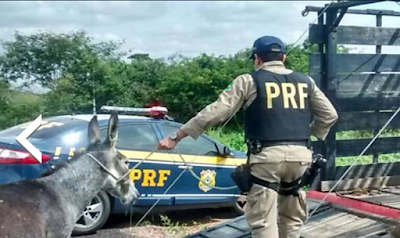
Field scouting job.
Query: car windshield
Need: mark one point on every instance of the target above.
(50, 127)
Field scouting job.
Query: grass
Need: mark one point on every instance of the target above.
(175, 228)
(232, 139)
(367, 134)
(235, 140)
(21, 97)
(17, 107)
(367, 159)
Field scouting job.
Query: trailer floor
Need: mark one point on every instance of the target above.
(348, 215)
(338, 222)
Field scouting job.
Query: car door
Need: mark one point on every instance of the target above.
(204, 162)
(137, 141)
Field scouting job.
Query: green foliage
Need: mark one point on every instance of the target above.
(46, 57)
(74, 69)
(190, 84)
(141, 80)
(230, 138)
(366, 159)
(4, 95)
(297, 58)
(67, 64)
(175, 228)
(14, 106)
(235, 140)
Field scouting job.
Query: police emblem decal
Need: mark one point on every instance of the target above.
(207, 180)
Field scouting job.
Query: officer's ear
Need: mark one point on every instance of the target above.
(283, 58)
(257, 60)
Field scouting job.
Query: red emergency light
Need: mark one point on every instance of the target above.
(154, 112)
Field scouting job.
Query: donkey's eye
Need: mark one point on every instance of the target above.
(121, 156)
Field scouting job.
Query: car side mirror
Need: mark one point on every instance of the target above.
(227, 152)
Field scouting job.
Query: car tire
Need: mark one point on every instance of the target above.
(94, 216)
(240, 205)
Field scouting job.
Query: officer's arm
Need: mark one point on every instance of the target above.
(227, 104)
(325, 115)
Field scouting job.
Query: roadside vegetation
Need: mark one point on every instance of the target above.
(55, 74)
(235, 140)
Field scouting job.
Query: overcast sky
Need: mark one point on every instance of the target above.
(164, 28)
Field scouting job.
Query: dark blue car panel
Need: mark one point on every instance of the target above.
(62, 136)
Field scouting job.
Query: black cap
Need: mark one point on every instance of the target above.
(267, 44)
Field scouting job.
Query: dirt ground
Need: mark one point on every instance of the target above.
(167, 225)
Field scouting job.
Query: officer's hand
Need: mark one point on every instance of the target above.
(167, 144)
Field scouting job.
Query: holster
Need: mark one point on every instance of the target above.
(254, 146)
(244, 180)
(306, 180)
(241, 176)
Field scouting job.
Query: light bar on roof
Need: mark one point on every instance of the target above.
(152, 111)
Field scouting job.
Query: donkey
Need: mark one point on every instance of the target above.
(50, 205)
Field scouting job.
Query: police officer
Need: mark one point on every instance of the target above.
(278, 104)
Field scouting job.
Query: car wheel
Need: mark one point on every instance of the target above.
(240, 205)
(94, 216)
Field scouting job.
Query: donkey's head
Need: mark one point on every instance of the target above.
(117, 183)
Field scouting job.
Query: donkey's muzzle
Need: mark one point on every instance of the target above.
(132, 196)
(134, 191)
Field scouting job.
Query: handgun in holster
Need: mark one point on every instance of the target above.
(241, 174)
(312, 172)
(306, 180)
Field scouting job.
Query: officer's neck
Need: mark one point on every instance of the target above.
(271, 63)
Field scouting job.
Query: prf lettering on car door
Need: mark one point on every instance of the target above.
(289, 93)
(150, 177)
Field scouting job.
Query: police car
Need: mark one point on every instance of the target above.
(207, 163)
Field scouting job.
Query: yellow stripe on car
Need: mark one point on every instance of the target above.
(57, 153)
(169, 157)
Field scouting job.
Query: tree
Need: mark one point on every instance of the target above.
(14, 106)
(71, 65)
(189, 84)
(46, 57)
(4, 96)
(75, 69)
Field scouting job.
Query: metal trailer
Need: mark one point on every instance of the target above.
(364, 88)
(347, 215)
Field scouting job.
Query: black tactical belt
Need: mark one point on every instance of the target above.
(283, 188)
(274, 186)
(256, 146)
(275, 143)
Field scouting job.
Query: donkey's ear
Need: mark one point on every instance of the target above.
(112, 130)
(93, 131)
